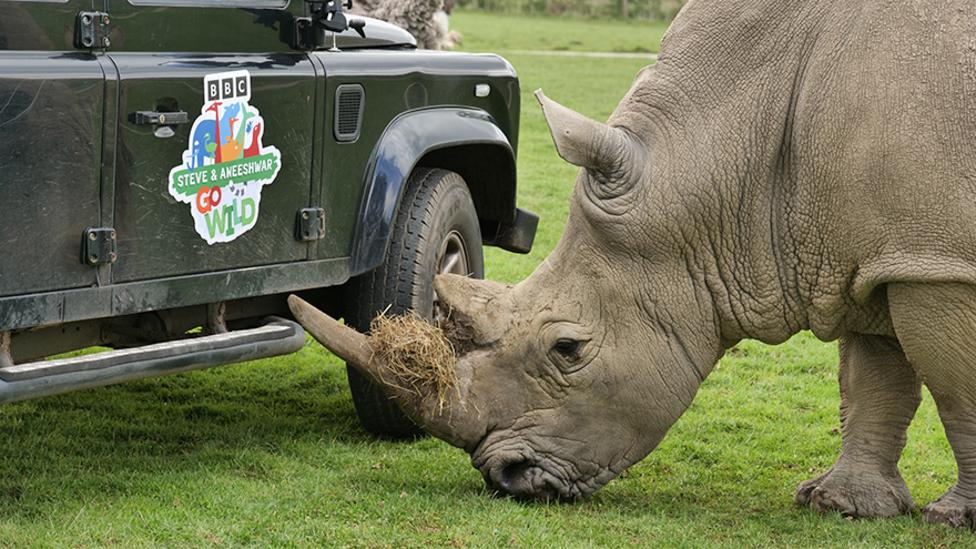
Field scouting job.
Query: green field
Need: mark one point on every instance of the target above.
(269, 454)
(489, 32)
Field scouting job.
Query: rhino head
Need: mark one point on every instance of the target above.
(574, 374)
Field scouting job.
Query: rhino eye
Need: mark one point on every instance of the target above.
(568, 348)
(570, 355)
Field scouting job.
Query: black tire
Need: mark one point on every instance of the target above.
(436, 216)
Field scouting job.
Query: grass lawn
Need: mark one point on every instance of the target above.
(269, 454)
(502, 33)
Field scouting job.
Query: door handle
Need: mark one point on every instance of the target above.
(160, 118)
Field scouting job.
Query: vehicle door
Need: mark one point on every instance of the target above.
(215, 142)
(52, 99)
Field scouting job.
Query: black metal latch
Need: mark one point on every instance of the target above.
(99, 246)
(92, 30)
(310, 225)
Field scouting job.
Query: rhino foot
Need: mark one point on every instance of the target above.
(857, 493)
(953, 510)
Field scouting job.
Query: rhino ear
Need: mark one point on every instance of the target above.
(602, 149)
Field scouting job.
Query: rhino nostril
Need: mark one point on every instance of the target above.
(513, 477)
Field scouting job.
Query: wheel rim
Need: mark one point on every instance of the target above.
(453, 258)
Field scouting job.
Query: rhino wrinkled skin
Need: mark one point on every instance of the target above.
(786, 165)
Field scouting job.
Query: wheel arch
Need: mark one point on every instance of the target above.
(460, 139)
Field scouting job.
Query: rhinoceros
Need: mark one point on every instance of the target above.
(786, 165)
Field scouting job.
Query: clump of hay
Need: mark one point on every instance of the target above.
(417, 354)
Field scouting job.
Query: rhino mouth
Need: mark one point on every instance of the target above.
(516, 470)
(525, 480)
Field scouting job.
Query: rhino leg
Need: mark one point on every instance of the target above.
(880, 393)
(936, 325)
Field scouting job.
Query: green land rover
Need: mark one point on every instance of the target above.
(173, 169)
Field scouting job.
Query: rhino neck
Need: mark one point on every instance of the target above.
(720, 106)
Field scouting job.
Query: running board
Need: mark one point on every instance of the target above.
(50, 377)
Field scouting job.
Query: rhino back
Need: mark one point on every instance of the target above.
(828, 144)
(884, 149)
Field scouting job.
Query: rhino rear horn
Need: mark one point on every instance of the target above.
(483, 307)
(603, 150)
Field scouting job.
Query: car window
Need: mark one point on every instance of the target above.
(210, 3)
(48, 1)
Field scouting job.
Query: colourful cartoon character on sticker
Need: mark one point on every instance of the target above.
(226, 164)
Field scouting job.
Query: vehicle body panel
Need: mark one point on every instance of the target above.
(404, 92)
(50, 151)
(156, 234)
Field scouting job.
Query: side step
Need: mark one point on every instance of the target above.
(50, 377)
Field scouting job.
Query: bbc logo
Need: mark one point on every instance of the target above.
(227, 86)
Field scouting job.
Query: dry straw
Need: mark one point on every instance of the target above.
(416, 353)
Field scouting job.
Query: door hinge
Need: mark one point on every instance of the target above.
(92, 30)
(310, 225)
(98, 246)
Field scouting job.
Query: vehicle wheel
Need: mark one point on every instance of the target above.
(436, 231)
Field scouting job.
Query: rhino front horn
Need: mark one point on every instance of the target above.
(607, 152)
(348, 344)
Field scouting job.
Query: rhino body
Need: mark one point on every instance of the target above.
(786, 165)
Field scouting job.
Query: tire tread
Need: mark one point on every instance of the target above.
(396, 285)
